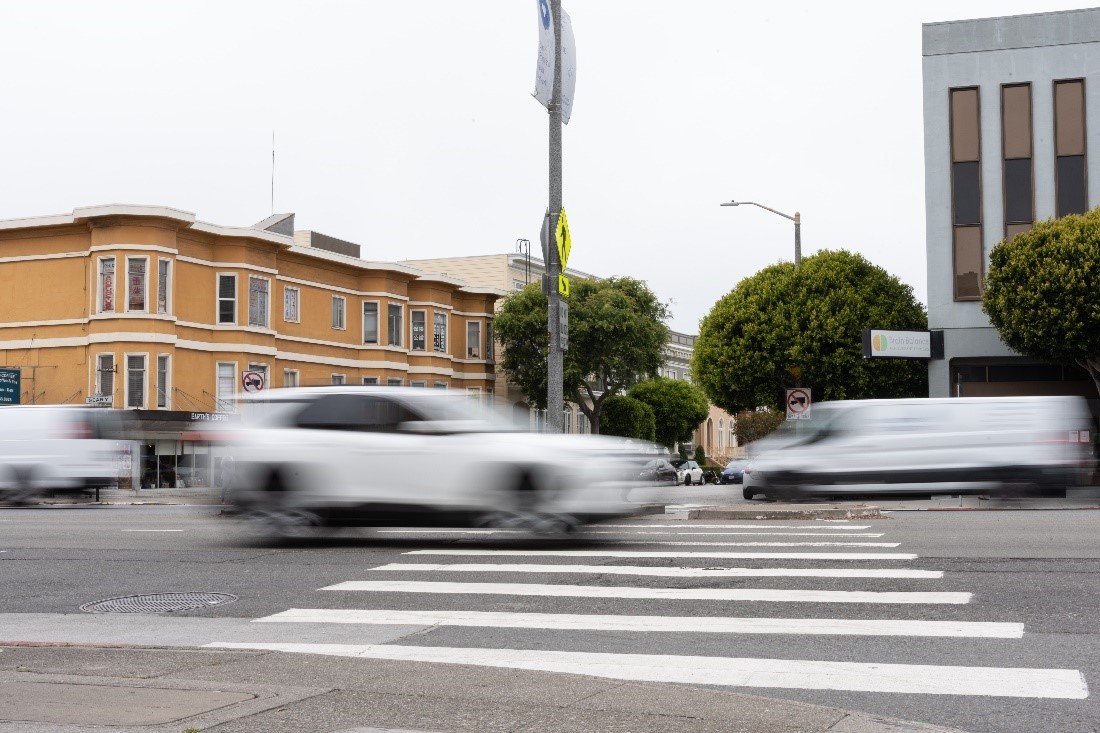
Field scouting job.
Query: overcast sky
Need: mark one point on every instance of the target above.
(409, 127)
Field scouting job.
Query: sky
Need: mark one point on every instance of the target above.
(410, 127)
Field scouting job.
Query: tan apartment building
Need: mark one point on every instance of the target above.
(147, 309)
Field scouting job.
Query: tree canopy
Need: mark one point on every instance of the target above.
(616, 333)
(788, 326)
(678, 407)
(627, 417)
(1042, 291)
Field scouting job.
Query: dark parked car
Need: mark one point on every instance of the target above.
(734, 472)
(659, 471)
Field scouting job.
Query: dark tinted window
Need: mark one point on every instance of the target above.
(968, 203)
(364, 413)
(1071, 185)
(1018, 190)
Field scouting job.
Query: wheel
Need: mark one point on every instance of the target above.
(747, 493)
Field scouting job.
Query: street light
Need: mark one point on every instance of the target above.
(797, 219)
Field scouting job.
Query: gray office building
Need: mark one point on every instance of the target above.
(1011, 113)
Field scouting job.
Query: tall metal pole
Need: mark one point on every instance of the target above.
(555, 400)
(797, 239)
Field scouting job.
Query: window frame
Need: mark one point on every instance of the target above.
(291, 378)
(266, 314)
(439, 336)
(106, 286)
(343, 311)
(413, 313)
(338, 379)
(144, 259)
(372, 317)
(221, 404)
(955, 159)
(297, 304)
(370, 381)
(218, 299)
(164, 285)
(127, 397)
(99, 371)
(475, 351)
(394, 335)
(164, 382)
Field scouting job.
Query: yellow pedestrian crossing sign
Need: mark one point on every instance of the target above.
(563, 286)
(565, 242)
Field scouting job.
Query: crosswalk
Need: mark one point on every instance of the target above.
(645, 586)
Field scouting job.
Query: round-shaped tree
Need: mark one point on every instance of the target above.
(1042, 291)
(788, 326)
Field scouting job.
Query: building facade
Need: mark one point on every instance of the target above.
(146, 309)
(1011, 135)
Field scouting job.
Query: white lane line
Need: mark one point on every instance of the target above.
(688, 624)
(675, 594)
(729, 672)
(680, 554)
(757, 544)
(152, 530)
(663, 572)
(737, 534)
(763, 525)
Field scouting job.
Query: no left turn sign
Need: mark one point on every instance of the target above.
(798, 403)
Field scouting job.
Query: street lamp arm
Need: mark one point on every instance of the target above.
(766, 208)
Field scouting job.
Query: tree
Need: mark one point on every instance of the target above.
(1041, 292)
(616, 333)
(750, 425)
(788, 326)
(627, 417)
(678, 407)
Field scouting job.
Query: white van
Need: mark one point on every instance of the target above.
(47, 449)
(951, 445)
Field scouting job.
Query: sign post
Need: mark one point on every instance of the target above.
(798, 403)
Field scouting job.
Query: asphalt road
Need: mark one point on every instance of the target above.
(983, 573)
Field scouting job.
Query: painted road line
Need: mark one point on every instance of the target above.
(762, 525)
(672, 594)
(684, 554)
(790, 674)
(664, 572)
(152, 530)
(636, 533)
(685, 543)
(686, 624)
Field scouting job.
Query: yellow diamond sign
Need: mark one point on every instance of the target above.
(565, 242)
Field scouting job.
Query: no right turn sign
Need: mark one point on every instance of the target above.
(798, 403)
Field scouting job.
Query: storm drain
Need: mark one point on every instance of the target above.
(158, 603)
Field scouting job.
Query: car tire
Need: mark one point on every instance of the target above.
(747, 493)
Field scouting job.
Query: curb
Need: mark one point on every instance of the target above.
(870, 512)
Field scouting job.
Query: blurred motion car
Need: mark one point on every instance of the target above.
(734, 471)
(687, 472)
(658, 470)
(952, 445)
(56, 449)
(392, 456)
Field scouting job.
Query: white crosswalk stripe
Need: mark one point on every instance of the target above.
(446, 610)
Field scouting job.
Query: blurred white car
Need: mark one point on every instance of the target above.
(390, 456)
(688, 472)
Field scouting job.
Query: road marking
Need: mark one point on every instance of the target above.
(674, 594)
(727, 671)
(663, 572)
(737, 534)
(688, 624)
(152, 530)
(681, 554)
(678, 543)
(766, 525)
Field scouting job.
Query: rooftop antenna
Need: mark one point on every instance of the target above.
(272, 172)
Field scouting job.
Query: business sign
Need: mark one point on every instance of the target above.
(798, 403)
(99, 400)
(879, 344)
(9, 386)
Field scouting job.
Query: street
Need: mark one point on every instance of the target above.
(979, 621)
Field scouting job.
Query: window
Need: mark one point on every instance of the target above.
(257, 301)
(440, 385)
(439, 332)
(1016, 148)
(517, 285)
(162, 381)
(105, 375)
(393, 324)
(106, 284)
(260, 369)
(370, 380)
(394, 382)
(135, 380)
(164, 280)
(338, 379)
(1069, 147)
(338, 304)
(370, 323)
(473, 339)
(418, 383)
(489, 351)
(135, 283)
(566, 420)
(226, 387)
(966, 195)
(418, 320)
(721, 434)
(290, 305)
(290, 377)
(227, 298)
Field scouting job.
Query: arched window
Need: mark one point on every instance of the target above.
(710, 435)
(721, 433)
(566, 420)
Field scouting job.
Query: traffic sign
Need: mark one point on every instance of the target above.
(563, 286)
(252, 381)
(563, 324)
(798, 403)
(564, 240)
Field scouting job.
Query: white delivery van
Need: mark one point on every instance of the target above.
(951, 445)
(46, 449)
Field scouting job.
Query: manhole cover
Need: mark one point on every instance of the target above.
(158, 603)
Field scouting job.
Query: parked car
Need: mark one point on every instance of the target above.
(688, 472)
(734, 471)
(658, 470)
(953, 445)
(389, 456)
(53, 449)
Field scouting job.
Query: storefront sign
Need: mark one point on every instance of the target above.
(9, 386)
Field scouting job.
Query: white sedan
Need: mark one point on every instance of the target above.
(389, 456)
